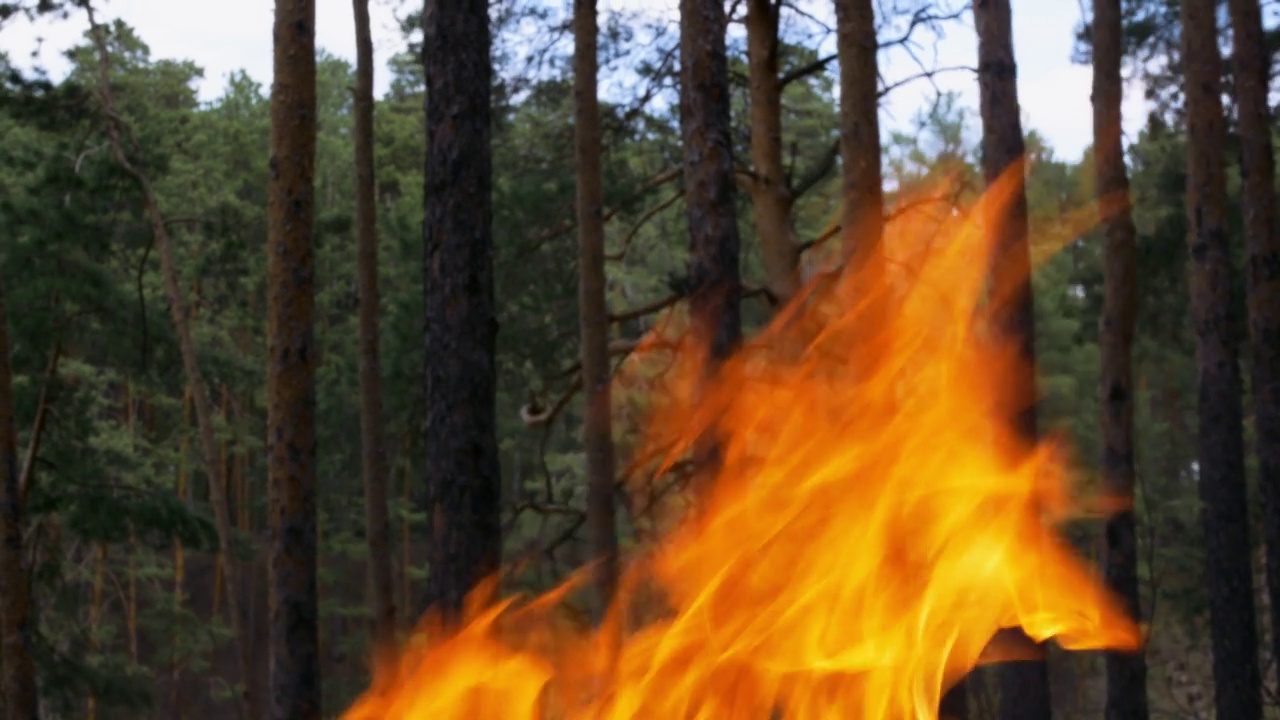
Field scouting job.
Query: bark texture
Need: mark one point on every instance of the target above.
(1024, 686)
(1262, 250)
(593, 313)
(463, 484)
(1229, 577)
(373, 450)
(771, 195)
(18, 691)
(714, 274)
(1126, 672)
(862, 221)
(294, 667)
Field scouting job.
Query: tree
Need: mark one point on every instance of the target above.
(17, 620)
(294, 667)
(373, 451)
(1024, 685)
(714, 283)
(1252, 67)
(863, 189)
(593, 313)
(1126, 672)
(461, 324)
(1223, 494)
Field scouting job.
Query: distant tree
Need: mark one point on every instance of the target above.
(1252, 74)
(373, 450)
(18, 693)
(294, 662)
(1126, 672)
(593, 313)
(1223, 494)
(1024, 685)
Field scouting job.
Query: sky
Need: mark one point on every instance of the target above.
(227, 35)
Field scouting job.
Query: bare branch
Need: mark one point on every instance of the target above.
(651, 308)
(818, 172)
(644, 219)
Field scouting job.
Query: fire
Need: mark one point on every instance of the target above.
(871, 524)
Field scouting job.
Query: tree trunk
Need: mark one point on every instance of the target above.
(862, 218)
(771, 196)
(1126, 672)
(190, 363)
(17, 624)
(460, 383)
(593, 311)
(1229, 576)
(1024, 686)
(294, 667)
(714, 282)
(373, 454)
(1262, 248)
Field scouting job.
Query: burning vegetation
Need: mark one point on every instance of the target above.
(873, 520)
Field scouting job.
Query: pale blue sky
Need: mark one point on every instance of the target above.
(227, 35)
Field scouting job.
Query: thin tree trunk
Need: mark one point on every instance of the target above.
(373, 450)
(95, 620)
(294, 645)
(862, 219)
(1262, 248)
(593, 311)
(1126, 672)
(179, 556)
(17, 626)
(1229, 574)
(460, 382)
(186, 346)
(771, 195)
(1024, 686)
(714, 280)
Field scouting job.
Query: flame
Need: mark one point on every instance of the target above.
(872, 522)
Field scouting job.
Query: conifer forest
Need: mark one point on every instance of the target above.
(621, 365)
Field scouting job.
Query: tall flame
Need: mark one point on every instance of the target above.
(872, 522)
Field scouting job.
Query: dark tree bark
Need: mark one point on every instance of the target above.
(862, 221)
(1229, 576)
(1262, 248)
(294, 667)
(17, 623)
(714, 280)
(1024, 685)
(1126, 672)
(373, 450)
(771, 195)
(463, 485)
(593, 313)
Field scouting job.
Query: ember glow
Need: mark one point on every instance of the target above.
(873, 522)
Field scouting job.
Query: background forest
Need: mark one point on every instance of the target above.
(120, 497)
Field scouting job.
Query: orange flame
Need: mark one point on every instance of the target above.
(872, 522)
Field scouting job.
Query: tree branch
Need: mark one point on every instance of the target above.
(820, 170)
(645, 218)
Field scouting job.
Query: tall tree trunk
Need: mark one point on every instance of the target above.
(593, 311)
(247, 705)
(862, 219)
(1262, 248)
(460, 383)
(1229, 575)
(771, 195)
(17, 624)
(294, 658)
(373, 450)
(1126, 672)
(714, 281)
(1024, 686)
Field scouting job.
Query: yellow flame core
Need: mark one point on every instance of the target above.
(872, 523)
